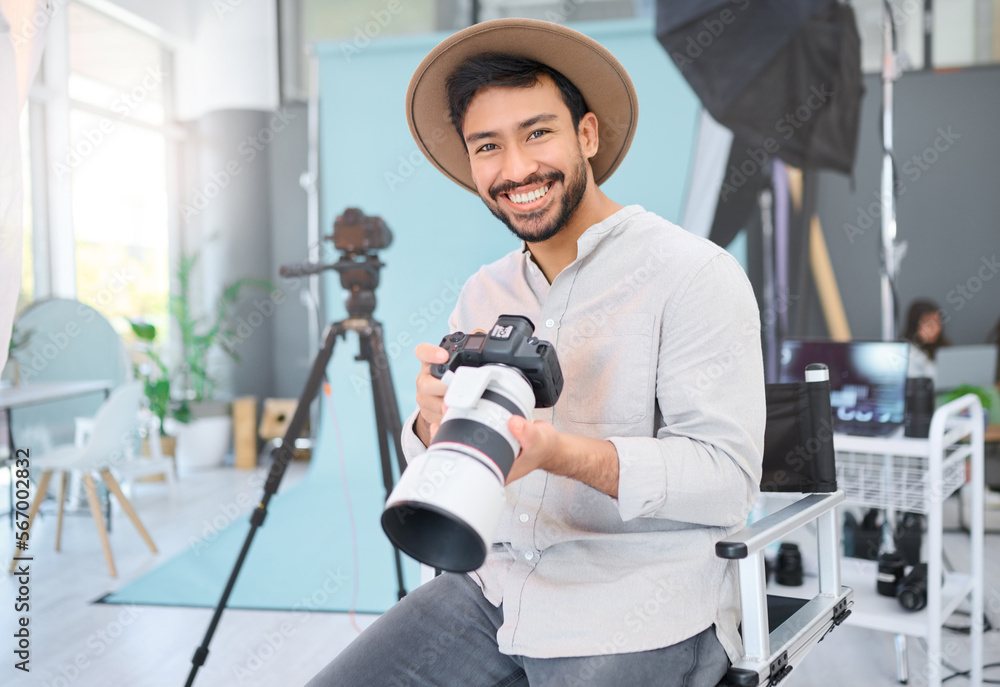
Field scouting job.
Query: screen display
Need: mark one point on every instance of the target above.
(867, 378)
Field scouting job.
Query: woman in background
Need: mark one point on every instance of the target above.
(925, 333)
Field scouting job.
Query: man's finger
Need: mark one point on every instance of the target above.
(430, 354)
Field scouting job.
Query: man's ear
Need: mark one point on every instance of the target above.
(587, 132)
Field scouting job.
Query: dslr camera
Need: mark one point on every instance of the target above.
(447, 503)
(910, 589)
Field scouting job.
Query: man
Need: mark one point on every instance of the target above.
(602, 571)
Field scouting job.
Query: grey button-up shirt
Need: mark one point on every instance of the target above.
(658, 337)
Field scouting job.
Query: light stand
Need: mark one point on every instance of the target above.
(359, 274)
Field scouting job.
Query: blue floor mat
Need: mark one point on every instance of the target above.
(301, 558)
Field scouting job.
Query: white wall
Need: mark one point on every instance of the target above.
(232, 62)
(226, 51)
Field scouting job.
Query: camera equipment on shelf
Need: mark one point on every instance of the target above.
(910, 589)
(447, 504)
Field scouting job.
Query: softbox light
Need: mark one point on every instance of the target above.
(784, 75)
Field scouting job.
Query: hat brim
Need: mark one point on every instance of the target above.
(600, 77)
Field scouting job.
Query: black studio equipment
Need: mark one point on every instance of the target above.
(919, 407)
(358, 237)
(863, 540)
(789, 566)
(891, 571)
(909, 588)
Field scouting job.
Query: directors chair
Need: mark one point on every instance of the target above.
(798, 457)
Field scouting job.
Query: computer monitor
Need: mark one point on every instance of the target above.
(867, 381)
(957, 365)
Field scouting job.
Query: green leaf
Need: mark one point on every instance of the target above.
(962, 390)
(143, 330)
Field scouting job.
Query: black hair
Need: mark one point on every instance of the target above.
(918, 309)
(495, 69)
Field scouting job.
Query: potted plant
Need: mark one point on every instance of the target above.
(156, 381)
(984, 397)
(184, 397)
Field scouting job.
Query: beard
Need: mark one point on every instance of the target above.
(570, 201)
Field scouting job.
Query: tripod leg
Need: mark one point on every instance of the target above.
(282, 456)
(392, 407)
(386, 420)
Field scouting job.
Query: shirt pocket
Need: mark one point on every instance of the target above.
(609, 375)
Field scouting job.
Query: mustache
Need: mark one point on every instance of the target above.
(508, 186)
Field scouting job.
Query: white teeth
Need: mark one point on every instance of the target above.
(528, 197)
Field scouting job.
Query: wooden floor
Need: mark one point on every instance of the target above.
(76, 642)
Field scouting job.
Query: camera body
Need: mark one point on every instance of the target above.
(509, 342)
(910, 589)
(356, 232)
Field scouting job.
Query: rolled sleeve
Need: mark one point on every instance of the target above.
(411, 444)
(704, 464)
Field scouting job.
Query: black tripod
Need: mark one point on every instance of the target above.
(359, 273)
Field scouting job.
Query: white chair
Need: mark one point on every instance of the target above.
(799, 458)
(105, 448)
(135, 467)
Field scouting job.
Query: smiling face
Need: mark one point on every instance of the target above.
(528, 161)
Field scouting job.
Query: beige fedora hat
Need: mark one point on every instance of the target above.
(600, 77)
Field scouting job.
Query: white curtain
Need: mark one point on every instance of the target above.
(23, 26)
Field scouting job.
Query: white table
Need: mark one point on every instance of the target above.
(33, 394)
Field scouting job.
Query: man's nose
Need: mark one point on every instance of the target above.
(518, 165)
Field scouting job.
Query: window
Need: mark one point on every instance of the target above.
(27, 260)
(119, 123)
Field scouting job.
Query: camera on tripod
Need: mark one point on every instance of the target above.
(448, 502)
(356, 232)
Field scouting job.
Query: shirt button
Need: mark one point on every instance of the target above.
(528, 555)
(550, 323)
(524, 517)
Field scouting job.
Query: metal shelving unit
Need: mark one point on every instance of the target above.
(917, 475)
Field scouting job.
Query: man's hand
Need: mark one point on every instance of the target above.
(591, 461)
(539, 447)
(430, 392)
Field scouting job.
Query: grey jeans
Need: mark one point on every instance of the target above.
(443, 634)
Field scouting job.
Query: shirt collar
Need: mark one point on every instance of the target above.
(593, 235)
(596, 232)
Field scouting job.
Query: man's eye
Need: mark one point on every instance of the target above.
(537, 132)
(486, 147)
